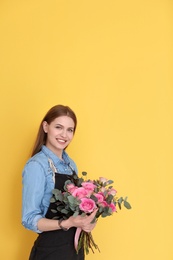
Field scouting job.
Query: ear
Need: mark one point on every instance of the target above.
(45, 126)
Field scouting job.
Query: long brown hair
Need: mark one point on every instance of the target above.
(54, 112)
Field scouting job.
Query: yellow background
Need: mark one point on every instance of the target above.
(111, 61)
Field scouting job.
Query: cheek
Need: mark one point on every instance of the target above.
(51, 133)
(70, 136)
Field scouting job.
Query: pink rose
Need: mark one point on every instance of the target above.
(103, 204)
(99, 197)
(79, 193)
(103, 180)
(89, 186)
(112, 206)
(87, 205)
(103, 189)
(112, 192)
(71, 187)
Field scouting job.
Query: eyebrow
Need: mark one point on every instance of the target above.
(71, 127)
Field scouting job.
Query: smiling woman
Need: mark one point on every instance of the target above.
(55, 113)
(49, 168)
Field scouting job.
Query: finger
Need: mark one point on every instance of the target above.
(94, 212)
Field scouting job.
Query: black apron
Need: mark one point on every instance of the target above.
(58, 244)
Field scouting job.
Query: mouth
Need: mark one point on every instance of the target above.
(61, 141)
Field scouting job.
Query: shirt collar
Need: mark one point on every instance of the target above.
(54, 157)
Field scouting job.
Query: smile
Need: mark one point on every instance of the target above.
(61, 141)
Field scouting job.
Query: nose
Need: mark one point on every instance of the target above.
(64, 133)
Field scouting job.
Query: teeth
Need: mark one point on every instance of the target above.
(60, 140)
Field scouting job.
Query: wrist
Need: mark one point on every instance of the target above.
(63, 224)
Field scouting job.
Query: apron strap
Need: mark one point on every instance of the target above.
(53, 168)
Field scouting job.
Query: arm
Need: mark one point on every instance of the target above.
(34, 181)
(33, 215)
(83, 222)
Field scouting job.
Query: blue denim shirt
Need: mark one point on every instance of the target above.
(38, 183)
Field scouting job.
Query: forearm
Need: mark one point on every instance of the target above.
(45, 224)
(84, 223)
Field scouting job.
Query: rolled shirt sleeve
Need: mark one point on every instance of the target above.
(33, 180)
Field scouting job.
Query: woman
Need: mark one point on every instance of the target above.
(49, 168)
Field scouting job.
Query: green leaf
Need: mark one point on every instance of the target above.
(100, 209)
(84, 173)
(71, 199)
(96, 189)
(109, 182)
(52, 200)
(59, 197)
(58, 194)
(64, 211)
(127, 205)
(105, 193)
(106, 210)
(110, 211)
(109, 198)
(72, 208)
(56, 191)
(119, 205)
(104, 215)
(93, 198)
(66, 183)
(65, 200)
(79, 182)
(94, 220)
(59, 208)
(54, 211)
(75, 177)
(76, 214)
(55, 217)
(120, 200)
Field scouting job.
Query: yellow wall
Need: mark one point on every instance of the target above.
(111, 61)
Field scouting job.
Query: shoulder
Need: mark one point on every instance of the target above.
(37, 163)
(39, 158)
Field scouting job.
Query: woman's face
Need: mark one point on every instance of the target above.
(60, 132)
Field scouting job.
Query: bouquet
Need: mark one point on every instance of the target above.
(81, 197)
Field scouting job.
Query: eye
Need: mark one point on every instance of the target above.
(71, 130)
(58, 126)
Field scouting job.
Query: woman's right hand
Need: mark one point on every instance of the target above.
(83, 222)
